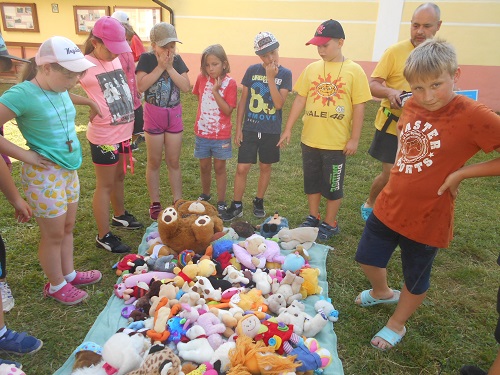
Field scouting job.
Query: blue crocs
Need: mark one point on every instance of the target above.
(19, 343)
(388, 335)
(366, 212)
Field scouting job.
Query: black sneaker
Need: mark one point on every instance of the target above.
(326, 231)
(112, 243)
(258, 207)
(310, 221)
(232, 212)
(204, 197)
(221, 208)
(126, 221)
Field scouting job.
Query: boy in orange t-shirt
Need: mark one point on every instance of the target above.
(439, 131)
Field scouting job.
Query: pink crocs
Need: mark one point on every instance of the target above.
(87, 278)
(68, 295)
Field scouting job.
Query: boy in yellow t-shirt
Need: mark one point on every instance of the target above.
(333, 92)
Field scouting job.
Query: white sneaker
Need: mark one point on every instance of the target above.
(7, 298)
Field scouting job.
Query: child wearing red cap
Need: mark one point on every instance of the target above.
(333, 92)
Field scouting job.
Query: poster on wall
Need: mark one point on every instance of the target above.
(19, 17)
(86, 17)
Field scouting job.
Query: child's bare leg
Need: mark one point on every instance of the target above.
(67, 242)
(378, 279)
(206, 175)
(118, 191)
(49, 248)
(173, 144)
(220, 179)
(240, 180)
(154, 147)
(313, 200)
(264, 178)
(105, 180)
(378, 184)
(407, 305)
(332, 209)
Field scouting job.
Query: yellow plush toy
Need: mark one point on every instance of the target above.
(310, 285)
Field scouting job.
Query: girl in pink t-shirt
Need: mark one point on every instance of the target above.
(217, 96)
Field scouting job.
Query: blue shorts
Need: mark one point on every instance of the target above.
(324, 172)
(217, 148)
(377, 244)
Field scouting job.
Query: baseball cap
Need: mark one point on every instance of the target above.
(326, 31)
(163, 33)
(64, 52)
(120, 16)
(112, 33)
(265, 42)
(6, 58)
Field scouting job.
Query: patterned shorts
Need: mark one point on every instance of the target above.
(48, 191)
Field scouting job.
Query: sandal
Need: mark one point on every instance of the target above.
(86, 278)
(367, 300)
(67, 295)
(366, 212)
(388, 335)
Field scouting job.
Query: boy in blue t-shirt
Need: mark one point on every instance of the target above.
(258, 122)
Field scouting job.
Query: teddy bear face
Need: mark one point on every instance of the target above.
(188, 225)
(255, 245)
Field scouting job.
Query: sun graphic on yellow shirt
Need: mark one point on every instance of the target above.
(326, 90)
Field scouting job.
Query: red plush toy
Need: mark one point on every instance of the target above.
(131, 263)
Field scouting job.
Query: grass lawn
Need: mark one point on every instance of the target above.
(453, 327)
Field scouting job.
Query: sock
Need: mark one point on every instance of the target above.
(238, 203)
(3, 331)
(70, 276)
(56, 288)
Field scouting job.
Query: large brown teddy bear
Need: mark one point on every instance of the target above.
(188, 225)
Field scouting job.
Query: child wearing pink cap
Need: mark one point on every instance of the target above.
(109, 134)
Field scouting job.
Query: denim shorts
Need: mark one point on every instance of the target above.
(324, 172)
(263, 144)
(377, 244)
(213, 148)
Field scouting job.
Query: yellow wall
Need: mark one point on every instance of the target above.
(473, 26)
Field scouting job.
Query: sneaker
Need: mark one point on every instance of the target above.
(126, 221)
(204, 197)
(67, 295)
(154, 210)
(19, 343)
(310, 221)
(17, 365)
(112, 243)
(221, 208)
(7, 298)
(258, 207)
(326, 231)
(87, 278)
(232, 212)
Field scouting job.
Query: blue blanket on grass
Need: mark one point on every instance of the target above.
(110, 319)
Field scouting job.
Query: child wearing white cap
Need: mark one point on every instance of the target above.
(265, 87)
(49, 173)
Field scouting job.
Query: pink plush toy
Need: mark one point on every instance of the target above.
(213, 329)
(133, 280)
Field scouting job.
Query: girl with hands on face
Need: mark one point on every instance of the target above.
(217, 97)
(162, 75)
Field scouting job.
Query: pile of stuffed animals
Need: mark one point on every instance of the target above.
(204, 302)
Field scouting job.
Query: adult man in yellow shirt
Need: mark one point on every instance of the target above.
(388, 83)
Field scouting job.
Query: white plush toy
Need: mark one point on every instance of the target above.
(291, 238)
(121, 354)
(303, 323)
(262, 281)
(197, 349)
